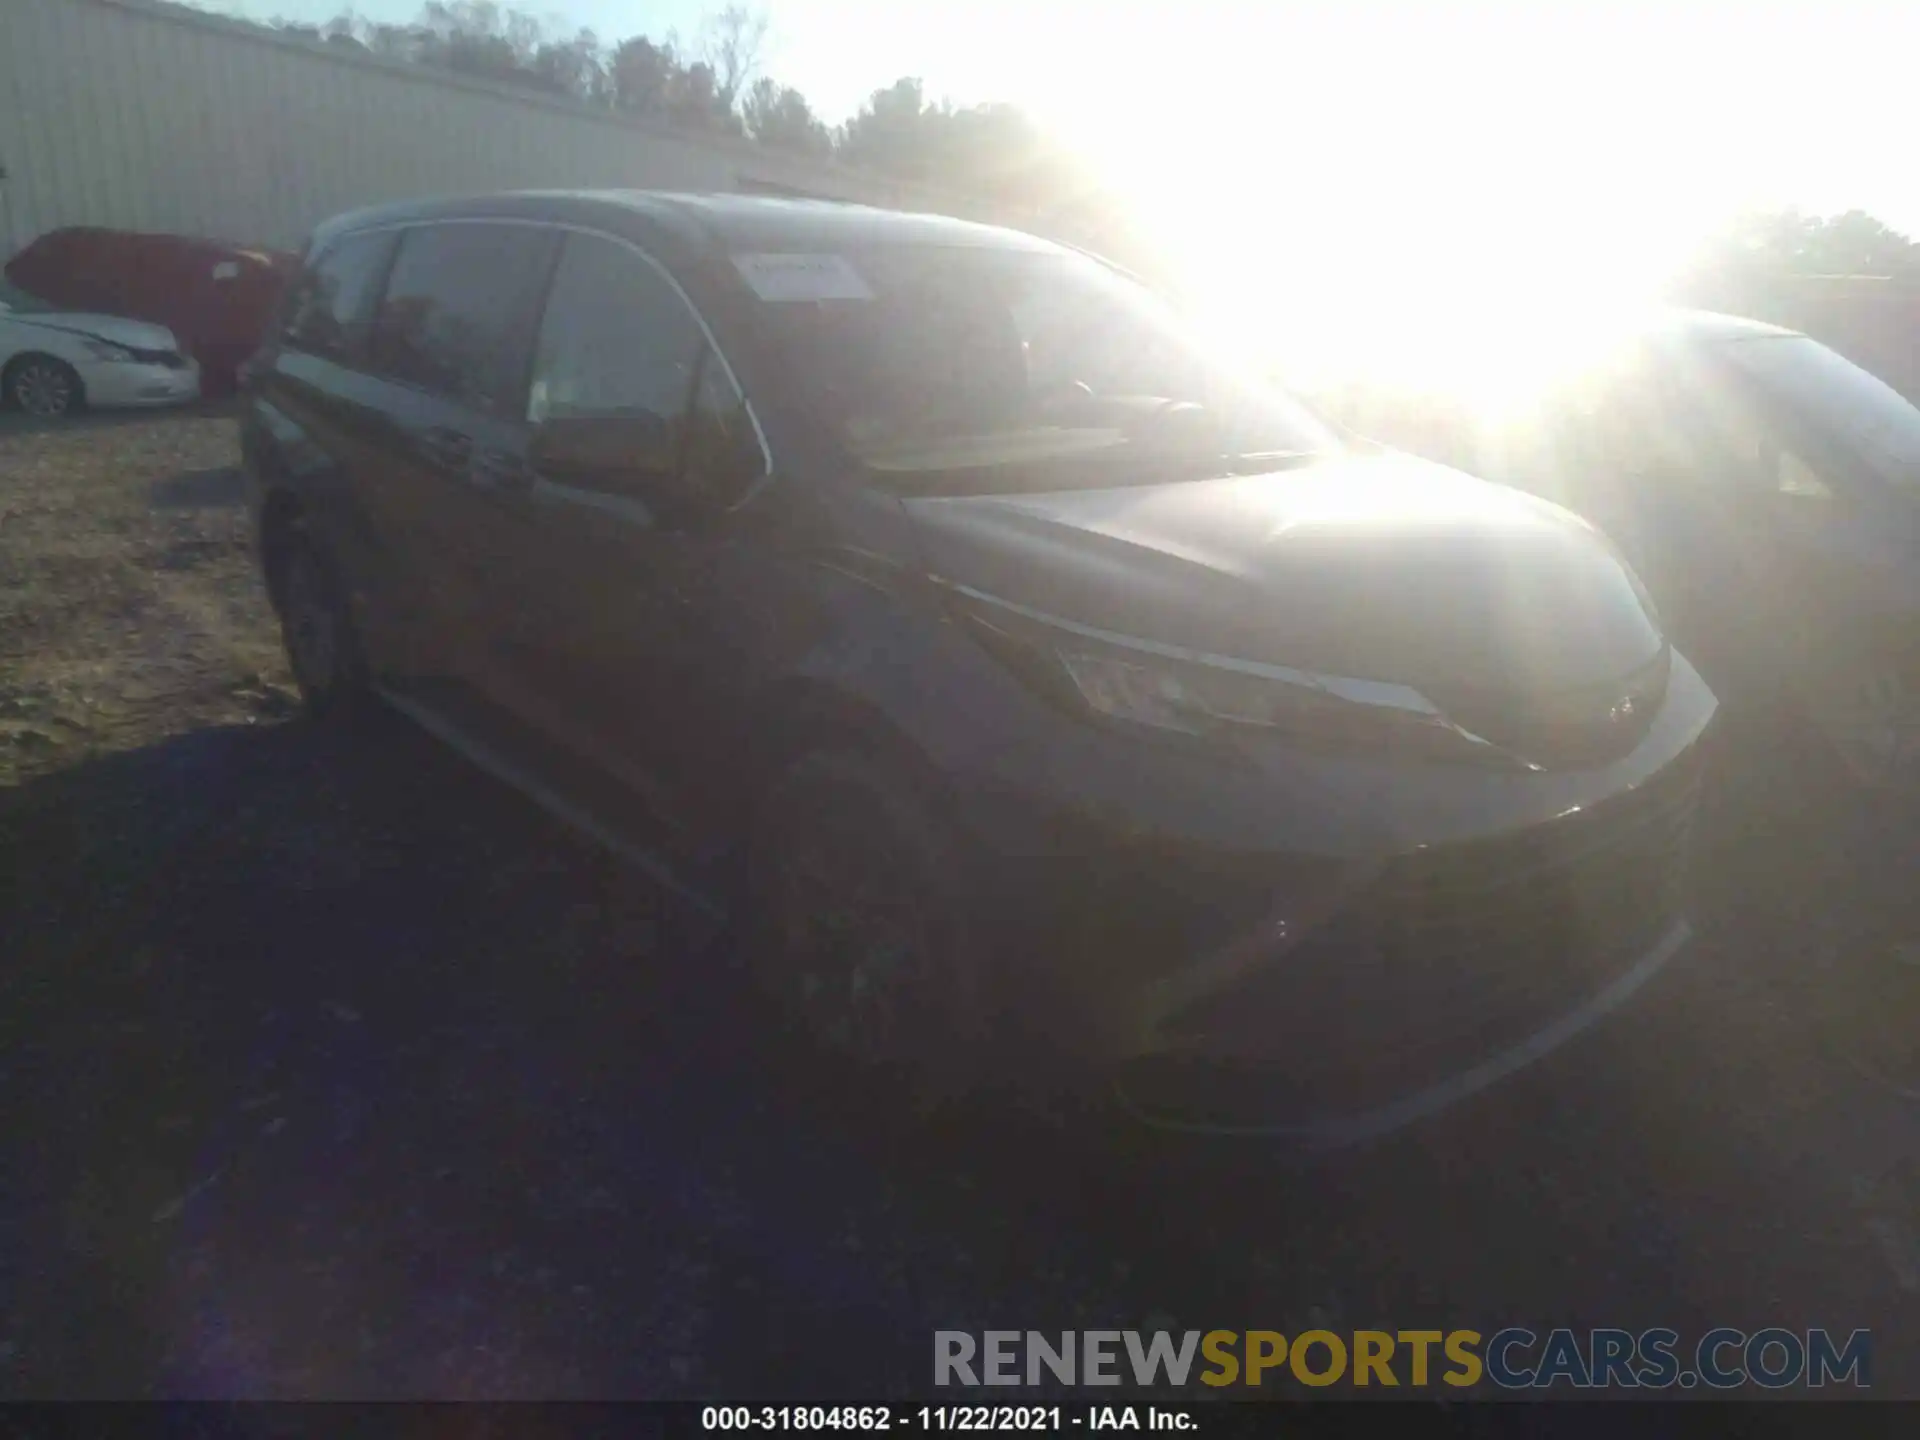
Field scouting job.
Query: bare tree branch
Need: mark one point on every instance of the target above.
(731, 42)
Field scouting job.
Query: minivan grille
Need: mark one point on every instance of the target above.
(1463, 948)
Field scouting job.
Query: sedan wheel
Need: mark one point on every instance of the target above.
(45, 388)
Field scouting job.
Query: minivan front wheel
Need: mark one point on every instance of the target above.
(858, 931)
(318, 631)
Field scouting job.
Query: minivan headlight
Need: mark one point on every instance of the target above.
(1127, 682)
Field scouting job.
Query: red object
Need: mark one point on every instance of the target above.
(215, 297)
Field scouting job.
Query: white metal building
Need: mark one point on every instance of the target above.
(139, 116)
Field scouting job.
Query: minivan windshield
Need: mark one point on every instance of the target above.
(943, 367)
(1833, 394)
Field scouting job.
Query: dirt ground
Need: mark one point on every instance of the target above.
(330, 1068)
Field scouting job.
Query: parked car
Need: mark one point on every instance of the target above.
(1766, 489)
(216, 297)
(1873, 320)
(1060, 693)
(53, 362)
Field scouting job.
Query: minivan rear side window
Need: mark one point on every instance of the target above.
(459, 311)
(331, 307)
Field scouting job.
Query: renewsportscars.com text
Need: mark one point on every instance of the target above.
(1513, 1358)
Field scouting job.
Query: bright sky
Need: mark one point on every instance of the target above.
(1366, 146)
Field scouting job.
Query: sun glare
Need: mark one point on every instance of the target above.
(1491, 292)
(1400, 304)
(1337, 208)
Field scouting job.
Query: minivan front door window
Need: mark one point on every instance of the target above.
(724, 457)
(617, 345)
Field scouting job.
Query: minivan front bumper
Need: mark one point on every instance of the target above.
(1420, 979)
(1326, 998)
(1168, 1099)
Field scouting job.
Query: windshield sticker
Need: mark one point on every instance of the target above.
(788, 278)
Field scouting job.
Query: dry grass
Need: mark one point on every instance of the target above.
(130, 603)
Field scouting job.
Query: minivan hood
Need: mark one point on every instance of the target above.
(140, 334)
(1379, 568)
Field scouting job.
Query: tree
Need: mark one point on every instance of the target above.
(1857, 244)
(642, 72)
(730, 44)
(1761, 256)
(1791, 242)
(693, 101)
(892, 131)
(1001, 152)
(995, 153)
(574, 67)
(476, 37)
(343, 32)
(779, 117)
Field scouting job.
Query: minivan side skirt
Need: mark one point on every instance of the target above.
(574, 816)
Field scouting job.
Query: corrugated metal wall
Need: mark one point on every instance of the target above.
(119, 114)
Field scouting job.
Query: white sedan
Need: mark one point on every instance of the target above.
(53, 362)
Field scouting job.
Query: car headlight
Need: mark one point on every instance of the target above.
(107, 350)
(1157, 687)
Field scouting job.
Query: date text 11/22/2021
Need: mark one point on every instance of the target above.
(934, 1418)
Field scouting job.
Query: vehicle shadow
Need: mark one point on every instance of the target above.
(334, 1069)
(218, 487)
(297, 1019)
(338, 1070)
